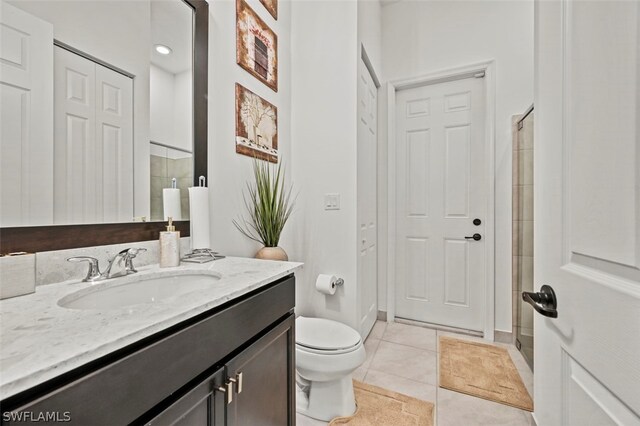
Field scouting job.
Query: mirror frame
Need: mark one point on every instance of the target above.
(34, 239)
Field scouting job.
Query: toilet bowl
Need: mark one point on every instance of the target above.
(327, 352)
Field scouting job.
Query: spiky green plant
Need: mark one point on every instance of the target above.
(268, 203)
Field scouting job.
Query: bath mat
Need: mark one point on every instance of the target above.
(382, 407)
(482, 370)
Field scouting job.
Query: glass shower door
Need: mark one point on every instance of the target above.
(523, 234)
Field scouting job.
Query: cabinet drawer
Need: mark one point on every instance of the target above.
(129, 386)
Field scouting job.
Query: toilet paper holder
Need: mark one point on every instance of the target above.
(339, 282)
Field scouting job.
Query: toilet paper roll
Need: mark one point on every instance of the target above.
(171, 204)
(199, 217)
(326, 284)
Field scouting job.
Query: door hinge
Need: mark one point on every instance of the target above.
(479, 74)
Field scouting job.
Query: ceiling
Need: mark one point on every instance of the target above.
(171, 25)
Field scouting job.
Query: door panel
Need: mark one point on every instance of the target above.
(74, 138)
(416, 173)
(114, 136)
(367, 200)
(441, 188)
(417, 250)
(587, 209)
(456, 277)
(265, 380)
(456, 181)
(202, 406)
(26, 129)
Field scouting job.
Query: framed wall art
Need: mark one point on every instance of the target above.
(272, 7)
(256, 126)
(256, 45)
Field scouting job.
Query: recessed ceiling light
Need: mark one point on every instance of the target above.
(162, 49)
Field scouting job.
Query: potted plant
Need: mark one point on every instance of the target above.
(269, 205)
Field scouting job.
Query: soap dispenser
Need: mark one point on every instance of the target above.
(170, 246)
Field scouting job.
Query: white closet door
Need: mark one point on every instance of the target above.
(114, 138)
(26, 129)
(74, 113)
(93, 142)
(367, 200)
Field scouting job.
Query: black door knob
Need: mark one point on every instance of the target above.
(475, 237)
(477, 222)
(544, 301)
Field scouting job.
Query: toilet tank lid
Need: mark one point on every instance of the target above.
(324, 334)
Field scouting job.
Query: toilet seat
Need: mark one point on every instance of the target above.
(323, 336)
(327, 352)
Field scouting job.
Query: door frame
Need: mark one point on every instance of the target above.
(441, 76)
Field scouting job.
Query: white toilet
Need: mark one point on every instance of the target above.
(327, 352)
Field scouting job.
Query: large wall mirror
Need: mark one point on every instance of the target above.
(104, 114)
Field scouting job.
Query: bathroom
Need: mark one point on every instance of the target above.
(400, 254)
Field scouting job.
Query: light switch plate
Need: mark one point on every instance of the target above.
(332, 201)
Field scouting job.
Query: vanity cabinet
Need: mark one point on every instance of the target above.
(249, 390)
(233, 365)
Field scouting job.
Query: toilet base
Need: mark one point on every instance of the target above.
(327, 400)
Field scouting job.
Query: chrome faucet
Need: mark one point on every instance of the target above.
(124, 259)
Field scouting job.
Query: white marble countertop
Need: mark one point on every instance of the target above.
(40, 340)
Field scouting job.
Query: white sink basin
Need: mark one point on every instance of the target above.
(138, 290)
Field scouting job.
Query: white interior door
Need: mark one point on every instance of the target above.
(441, 188)
(93, 142)
(367, 199)
(26, 129)
(75, 157)
(114, 141)
(587, 209)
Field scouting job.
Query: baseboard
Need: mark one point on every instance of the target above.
(502, 336)
(382, 315)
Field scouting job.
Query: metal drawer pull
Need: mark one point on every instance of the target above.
(227, 389)
(238, 382)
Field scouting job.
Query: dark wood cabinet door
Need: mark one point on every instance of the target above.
(204, 405)
(264, 391)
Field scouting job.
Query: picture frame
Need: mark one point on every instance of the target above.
(256, 126)
(256, 46)
(272, 7)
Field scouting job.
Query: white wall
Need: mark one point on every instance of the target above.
(228, 171)
(100, 29)
(183, 110)
(419, 37)
(171, 113)
(370, 32)
(161, 95)
(324, 77)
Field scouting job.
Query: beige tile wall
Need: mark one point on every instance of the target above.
(162, 171)
(522, 249)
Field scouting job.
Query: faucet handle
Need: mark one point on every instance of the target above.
(94, 270)
(128, 262)
(131, 253)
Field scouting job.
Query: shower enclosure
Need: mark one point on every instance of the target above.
(523, 232)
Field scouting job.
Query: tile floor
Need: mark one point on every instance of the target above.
(404, 358)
